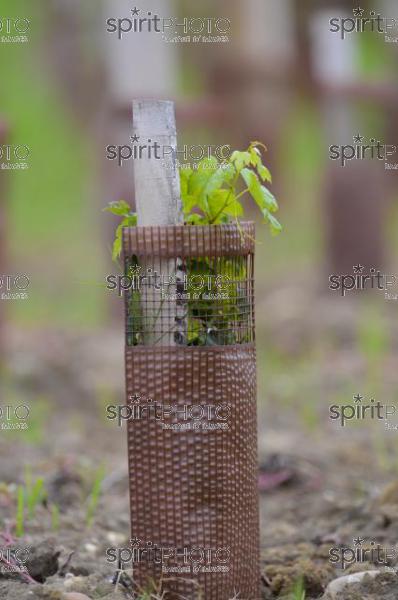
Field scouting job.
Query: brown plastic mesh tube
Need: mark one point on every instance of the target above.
(192, 438)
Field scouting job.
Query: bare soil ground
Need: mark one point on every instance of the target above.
(322, 485)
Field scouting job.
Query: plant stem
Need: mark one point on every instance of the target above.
(241, 194)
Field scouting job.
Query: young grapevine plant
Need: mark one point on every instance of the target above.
(214, 192)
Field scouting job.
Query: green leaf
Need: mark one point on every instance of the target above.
(241, 159)
(264, 173)
(255, 156)
(117, 244)
(188, 203)
(274, 224)
(130, 221)
(204, 183)
(199, 179)
(256, 161)
(234, 208)
(195, 219)
(201, 175)
(185, 175)
(222, 203)
(215, 181)
(269, 199)
(261, 195)
(229, 172)
(120, 208)
(250, 178)
(194, 330)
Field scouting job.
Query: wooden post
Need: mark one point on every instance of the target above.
(354, 195)
(157, 183)
(158, 202)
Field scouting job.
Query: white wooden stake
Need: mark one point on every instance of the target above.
(157, 183)
(158, 202)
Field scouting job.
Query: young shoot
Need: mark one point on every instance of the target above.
(214, 193)
(94, 496)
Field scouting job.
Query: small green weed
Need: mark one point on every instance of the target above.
(94, 495)
(298, 591)
(20, 518)
(29, 496)
(54, 517)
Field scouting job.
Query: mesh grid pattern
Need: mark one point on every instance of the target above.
(193, 491)
(189, 285)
